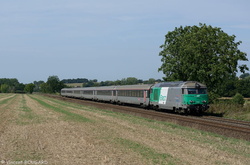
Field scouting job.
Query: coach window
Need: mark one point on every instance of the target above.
(140, 94)
(114, 93)
(88, 92)
(77, 92)
(133, 93)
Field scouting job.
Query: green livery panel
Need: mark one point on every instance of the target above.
(192, 99)
(155, 94)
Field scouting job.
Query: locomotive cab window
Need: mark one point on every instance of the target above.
(194, 91)
(191, 91)
(202, 91)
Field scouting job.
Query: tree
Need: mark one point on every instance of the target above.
(201, 53)
(129, 81)
(53, 84)
(20, 88)
(5, 88)
(151, 81)
(243, 87)
(244, 75)
(44, 88)
(29, 88)
(91, 83)
(12, 84)
(37, 85)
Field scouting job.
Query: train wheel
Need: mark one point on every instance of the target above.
(185, 111)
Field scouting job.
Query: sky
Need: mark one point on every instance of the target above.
(104, 39)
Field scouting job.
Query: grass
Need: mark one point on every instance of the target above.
(27, 116)
(22, 155)
(199, 136)
(67, 114)
(229, 110)
(5, 101)
(147, 152)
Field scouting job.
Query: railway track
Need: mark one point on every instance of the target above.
(225, 120)
(227, 127)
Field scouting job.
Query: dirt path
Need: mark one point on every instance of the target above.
(42, 130)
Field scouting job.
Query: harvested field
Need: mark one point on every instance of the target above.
(39, 130)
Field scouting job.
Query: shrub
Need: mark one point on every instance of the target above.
(238, 99)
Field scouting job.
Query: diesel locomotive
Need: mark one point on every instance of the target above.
(181, 96)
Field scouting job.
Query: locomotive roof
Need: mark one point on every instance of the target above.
(183, 84)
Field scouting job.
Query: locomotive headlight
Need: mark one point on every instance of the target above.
(204, 101)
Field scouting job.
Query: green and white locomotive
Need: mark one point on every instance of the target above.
(187, 97)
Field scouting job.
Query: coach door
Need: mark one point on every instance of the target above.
(145, 96)
(114, 94)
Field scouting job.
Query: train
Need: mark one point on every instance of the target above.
(179, 96)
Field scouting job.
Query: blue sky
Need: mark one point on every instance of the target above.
(103, 40)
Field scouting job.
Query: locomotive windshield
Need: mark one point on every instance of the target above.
(195, 91)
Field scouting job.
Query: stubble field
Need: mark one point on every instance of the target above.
(38, 130)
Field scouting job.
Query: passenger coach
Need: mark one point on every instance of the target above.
(127, 94)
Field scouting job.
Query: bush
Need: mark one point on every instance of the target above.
(238, 99)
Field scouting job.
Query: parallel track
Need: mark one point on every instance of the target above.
(226, 127)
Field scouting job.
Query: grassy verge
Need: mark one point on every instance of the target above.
(229, 110)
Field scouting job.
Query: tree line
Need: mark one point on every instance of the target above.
(12, 85)
(125, 81)
(54, 85)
